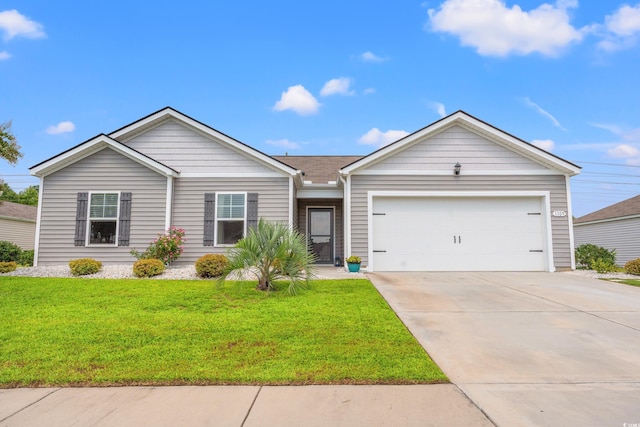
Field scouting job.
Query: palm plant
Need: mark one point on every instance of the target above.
(272, 251)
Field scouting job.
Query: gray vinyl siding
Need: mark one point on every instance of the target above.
(22, 233)
(362, 184)
(189, 151)
(621, 235)
(105, 170)
(188, 207)
(456, 145)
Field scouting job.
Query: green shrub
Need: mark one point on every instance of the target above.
(26, 258)
(9, 251)
(148, 267)
(211, 265)
(7, 267)
(84, 266)
(603, 266)
(587, 254)
(633, 266)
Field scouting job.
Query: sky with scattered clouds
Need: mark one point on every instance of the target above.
(332, 77)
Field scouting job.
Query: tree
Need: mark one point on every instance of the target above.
(28, 196)
(272, 251)
(7, 193)
(9, 148)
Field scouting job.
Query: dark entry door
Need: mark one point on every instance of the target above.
(321, 234)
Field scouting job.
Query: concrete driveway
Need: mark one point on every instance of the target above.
(529, 348)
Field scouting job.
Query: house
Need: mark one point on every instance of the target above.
(18, 224)
(458, 194)
(614, 227)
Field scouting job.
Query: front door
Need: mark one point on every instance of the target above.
(320, 234)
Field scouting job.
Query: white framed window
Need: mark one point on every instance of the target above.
(231, 218)
(102, 226)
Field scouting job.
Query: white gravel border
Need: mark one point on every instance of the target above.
(188, 272)
(595, 275)
(125, 271)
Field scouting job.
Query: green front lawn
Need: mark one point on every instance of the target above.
(116, 332)
(632, 282)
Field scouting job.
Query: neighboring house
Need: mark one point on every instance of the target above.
(614, 227)
(18, 224)
(506, 206)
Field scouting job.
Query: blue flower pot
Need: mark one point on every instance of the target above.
(354, 267)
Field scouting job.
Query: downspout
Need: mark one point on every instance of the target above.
(38, 219)
(570, 219)
(347, 213)
(169, 203)
(291, 204)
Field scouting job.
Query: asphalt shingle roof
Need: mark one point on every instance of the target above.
(624, 208)
(17, 210)
(318, 169)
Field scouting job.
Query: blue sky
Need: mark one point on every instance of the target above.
(331, 77)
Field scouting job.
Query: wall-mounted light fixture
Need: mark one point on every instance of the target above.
(456, 169)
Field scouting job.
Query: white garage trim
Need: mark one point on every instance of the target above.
(545, 195)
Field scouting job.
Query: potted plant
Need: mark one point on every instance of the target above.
(353, 262)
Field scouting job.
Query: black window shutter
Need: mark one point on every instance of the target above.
(252, 210)
(124, 225)
(81, 219)
(209, 218)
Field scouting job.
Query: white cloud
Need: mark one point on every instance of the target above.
(4, 55)
(632, 135)
(339, 86)
(545, 144)
(369, 91)
(14, 24)
(283, 143)
(622, 28)
(298, 99)
(497, 30)
(623, 151)
(544, 113)
(378, 138)
(625, 21)
(439, 108)
(371, 57)
(62, 127)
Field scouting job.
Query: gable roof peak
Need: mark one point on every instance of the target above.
(475, 125)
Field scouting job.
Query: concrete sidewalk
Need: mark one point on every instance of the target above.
(410, 405)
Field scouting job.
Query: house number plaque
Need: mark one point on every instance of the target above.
(559, 213)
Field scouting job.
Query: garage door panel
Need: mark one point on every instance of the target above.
(458, 234)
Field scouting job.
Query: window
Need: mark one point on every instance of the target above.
(230, 218)
(103, 218)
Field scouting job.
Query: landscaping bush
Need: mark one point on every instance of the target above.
(9, 251)
(84, 266)
(166, 247)
(588, 253)
(211, 265)
(26, 258)
(602, 266)
(633, 266)
(148, 267)
(7, 267)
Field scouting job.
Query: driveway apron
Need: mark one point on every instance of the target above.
(529, 349)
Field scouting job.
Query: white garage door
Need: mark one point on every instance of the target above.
(458, 234)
